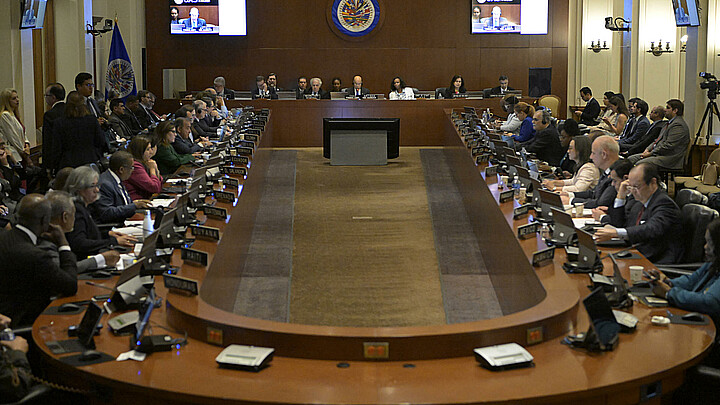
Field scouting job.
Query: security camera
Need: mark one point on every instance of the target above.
(612, 24)
(609, 23)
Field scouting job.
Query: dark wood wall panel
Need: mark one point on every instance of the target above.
(424, 41)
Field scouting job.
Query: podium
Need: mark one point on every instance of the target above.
(361, 141)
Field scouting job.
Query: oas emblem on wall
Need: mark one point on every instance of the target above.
(120, 77)
(355, 18)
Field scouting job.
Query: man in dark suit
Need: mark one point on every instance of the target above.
(315, 91)
(604, 153)
(546, 142)
(200, 125)
(652, 221)
(302, 86)
(132, 104)
(502, 88)
(590, 113)
(117, 106)
(145, 114)
(262, 90)
(272, 82)
(357, 90)
(657, 116)
(194, 22)
(30, 275)
(85, 86)
(114, 204)
(637, 125)
(55, 99)
(219, 84)
(668, 151)
(183, 143)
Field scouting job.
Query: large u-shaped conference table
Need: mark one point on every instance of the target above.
(426, 364)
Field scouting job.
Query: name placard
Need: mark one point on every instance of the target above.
(247, 144)
(231, 182)
(476, 150)
(250, 137)
(243, 151)
(224, 196)
(194, 256)
(507, 195)
(188, 285)
(543, 255)
(206, 232)
(472, 143)
(521, 210)
(233, 170)
(253, 131)
(490, 171)
(238, 160)
(525, 231)
(482, 158)
(216, 212)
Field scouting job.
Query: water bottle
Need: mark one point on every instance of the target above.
(545, 231)
(516, 186)
(489, 115)
(147, 224)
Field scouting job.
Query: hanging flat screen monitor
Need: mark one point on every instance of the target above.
(33, 13)
(217, 17)
(526, 17)
(686, 13)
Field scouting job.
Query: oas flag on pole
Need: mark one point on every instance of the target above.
(120, 75)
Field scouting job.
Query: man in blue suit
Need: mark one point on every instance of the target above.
(194, 22)
(114, 204)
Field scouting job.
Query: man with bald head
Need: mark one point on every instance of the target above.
(357, 90)
(30, 275)
(605, 151)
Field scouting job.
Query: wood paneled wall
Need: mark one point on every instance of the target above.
(426, 42)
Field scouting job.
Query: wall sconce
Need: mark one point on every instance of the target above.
(658, 50)
(595, 47)
(683, 43)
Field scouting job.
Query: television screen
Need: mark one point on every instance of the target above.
(217, 17)
(32, 13)
(686, 13)
(509, 16)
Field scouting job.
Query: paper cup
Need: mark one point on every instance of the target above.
(636, 274)
(579, 209)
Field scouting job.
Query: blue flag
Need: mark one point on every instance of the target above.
(120, 76)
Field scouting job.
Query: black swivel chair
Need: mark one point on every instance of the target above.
(690, 196)
(439, 92)
(695, 219)
(486, 92)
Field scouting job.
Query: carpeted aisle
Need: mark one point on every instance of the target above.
(364, 252)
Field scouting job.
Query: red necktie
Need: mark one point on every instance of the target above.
(642, 211)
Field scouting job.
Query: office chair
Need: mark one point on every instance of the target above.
(695, 219)
(486, 92)
(552, 103)
(439, 92)
(690, 196)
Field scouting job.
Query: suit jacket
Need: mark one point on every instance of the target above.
(602, 195)
(185, 146)
(141, 184)
(546, 145)
(31, 275)
(590, 113)
(656, 234)
(496, 91)
(187, 23)
(120, 127)
(48, 133)
(110, 207)
(449, 93)
(78, 141)
(669, 152)
(351, 92)
(647, 138)
(145, 116)
(131, 120)
(324, 95)
(85, 239)
(94, 108)
(633, 135)
(202, 128)
(169, 161)
(271, 91)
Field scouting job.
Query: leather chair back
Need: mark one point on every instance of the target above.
(695, 218)
(688, 196)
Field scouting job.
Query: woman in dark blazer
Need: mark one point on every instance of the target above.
(79, 140)
(457, 86)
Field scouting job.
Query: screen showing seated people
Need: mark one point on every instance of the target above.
(686, 13)
(509, 16)
(218, 17)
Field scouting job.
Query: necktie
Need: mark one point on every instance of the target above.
(91, 108)
(662, 132)
(642, 211)
(125, 195)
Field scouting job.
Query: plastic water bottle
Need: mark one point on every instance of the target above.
(516, 186)
(147, 224)
(545, 231)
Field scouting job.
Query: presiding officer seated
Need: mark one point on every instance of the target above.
(651, 220)
(31, 275)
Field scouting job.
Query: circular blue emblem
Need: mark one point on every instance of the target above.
(120, 77)
(355, 18)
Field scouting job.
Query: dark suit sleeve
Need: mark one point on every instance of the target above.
(661, 220)
(109, 208)
(619, 215)
(324, 95)
(58, 268)
(591, 111)
(47, 136)
(181, 147)
(80, 241)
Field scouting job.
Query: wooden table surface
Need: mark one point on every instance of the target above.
(643, 360)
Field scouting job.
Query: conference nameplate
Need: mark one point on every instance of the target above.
(243, 151)
(250, 137)
(507, 195)
(521, 210)
(524, 231)
(253, 131)
(231, 182)
(482, 158)
(490, 171)
(205, 232)
(224, 196)
(238, 160)
(476, 150)
(472, 143)
(543, 255)
(234, 171)
(180, 284)
(194, 256)
(216, 212)
(247, 144)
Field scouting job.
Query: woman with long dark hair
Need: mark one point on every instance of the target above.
(168, 160)
(145, 179)
(400, 91)
(615, 127)
(457, 86)
(586, 173)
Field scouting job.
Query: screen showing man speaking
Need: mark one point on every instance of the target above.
(508, 16)
(219, 17)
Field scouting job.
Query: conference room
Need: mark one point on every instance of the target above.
(375, 246)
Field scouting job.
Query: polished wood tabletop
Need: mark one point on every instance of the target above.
(430, 364)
